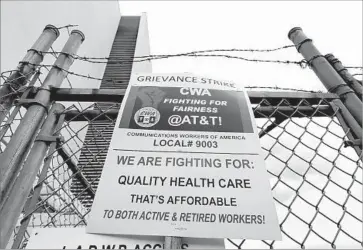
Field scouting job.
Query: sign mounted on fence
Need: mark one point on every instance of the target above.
(77, 238)
(184, 160)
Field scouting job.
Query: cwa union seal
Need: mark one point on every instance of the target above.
(147, 117)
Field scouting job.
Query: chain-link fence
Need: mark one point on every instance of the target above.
(315, 175)
(312, 157)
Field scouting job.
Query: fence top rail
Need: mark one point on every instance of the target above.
(116, 95)
(259, 112)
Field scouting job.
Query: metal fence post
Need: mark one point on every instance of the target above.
(172, 242)
(349, 125)
(30, 207)
(349, 120)
(14, 112)
(11, 157)
(14, 202)
(26, 68)
(347, 77)
(326, 73)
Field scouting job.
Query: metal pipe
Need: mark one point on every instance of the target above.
(116, 96)
(259, 112)
(26, 68)
(172, 242)
(346, 128)
(11, 157)
(349, 120)
(347, 77)
(31, 204)
(13, 114)
(326, 73)
(14, 202)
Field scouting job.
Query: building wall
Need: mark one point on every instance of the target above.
(142, 47)
(131, 40)
(23, 21)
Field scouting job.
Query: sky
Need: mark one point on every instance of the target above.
(184, 26)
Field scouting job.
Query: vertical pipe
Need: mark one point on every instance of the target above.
(346, 128)
(326, 73)
(347, 77)
(14, 202)
(172, 242)
(355, 129)
(11, 157)
(13, 114)
(30, 207)
(26, 68)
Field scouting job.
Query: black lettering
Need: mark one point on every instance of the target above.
(108, 247)
(125, 160)
(182, 217)
(184, 246)
(247, 183)
(253, 219)
(246, 163)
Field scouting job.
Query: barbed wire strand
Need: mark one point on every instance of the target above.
(185, 53)
(67, 26)
(302, 63)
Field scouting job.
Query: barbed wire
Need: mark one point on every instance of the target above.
(13, 85)
(354, 67)
(66, 26)
(117, 81)
(186, 53)
(121, 60)
(301, 63)
(281, 88)
(201, 53)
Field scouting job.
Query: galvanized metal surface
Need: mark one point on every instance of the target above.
(116, 95)
(347, 77)
(15, 200)
(260, 112)
(17, 146)
(26, 68)
(327, 74)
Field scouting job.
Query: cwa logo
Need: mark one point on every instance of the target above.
(147, 117)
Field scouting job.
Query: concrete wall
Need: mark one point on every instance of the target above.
(142, 47)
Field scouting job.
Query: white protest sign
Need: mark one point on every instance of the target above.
(185, 160)
(77, 238)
